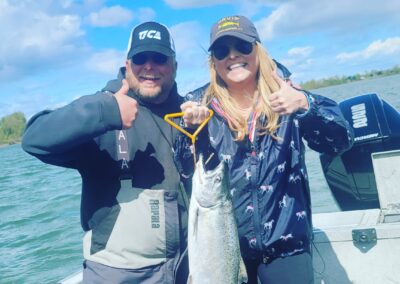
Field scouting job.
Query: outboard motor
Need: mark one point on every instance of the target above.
(350, 176)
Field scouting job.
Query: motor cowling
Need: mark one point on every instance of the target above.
(350, 176)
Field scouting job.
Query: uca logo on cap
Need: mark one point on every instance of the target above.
(149, 34)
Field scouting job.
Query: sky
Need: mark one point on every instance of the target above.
(52, 52)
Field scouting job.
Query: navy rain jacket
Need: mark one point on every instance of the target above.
(268, 178)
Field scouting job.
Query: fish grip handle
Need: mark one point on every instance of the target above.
(193, 136)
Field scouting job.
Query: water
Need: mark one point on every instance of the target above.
(388, 89)
(40, 233)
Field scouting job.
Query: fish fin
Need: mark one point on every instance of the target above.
(242, 278)
(190, 281)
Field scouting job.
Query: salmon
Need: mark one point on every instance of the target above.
(213, 244)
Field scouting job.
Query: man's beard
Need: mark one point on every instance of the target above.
(150, 96)
(154, 95)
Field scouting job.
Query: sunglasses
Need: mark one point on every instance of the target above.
(221, 51)
(143, 57)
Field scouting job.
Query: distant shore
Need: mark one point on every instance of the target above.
(336, 80)
(9, 144)
(12, 128)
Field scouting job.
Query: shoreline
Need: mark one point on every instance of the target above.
(9, 144)
(341, 80)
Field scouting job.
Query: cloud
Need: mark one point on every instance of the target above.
(118, 16)
(339, 17)
(35, 40)
(246, 7)
(304, 51)
(110, 17)
(388, 47)
(107, 62)
(146, 14)
(298, 60)
(298, 57)
(182, 4)
(251, 8)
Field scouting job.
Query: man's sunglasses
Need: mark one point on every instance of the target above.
(221, 51)
(143, 57)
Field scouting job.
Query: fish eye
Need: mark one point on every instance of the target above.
(218, 178)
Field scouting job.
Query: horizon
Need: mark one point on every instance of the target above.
(56, 51)
(306, 82)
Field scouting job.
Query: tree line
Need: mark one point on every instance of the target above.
(337, 80)
(11, 128)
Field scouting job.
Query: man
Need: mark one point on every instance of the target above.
(133, 208)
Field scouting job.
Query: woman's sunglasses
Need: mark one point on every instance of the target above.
(143, 57)
(221, 51)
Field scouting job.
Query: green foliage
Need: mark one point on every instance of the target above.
(11, 128)
(315, 84)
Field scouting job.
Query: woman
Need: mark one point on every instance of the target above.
(258, 126)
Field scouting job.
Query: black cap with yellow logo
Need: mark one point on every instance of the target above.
(236, 26)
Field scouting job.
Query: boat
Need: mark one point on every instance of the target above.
(361, 243)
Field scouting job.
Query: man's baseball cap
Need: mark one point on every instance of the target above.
(236, 26)
(150, 36)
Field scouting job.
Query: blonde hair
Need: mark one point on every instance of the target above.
(266, 85)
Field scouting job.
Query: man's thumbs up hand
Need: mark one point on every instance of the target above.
(128, 107)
